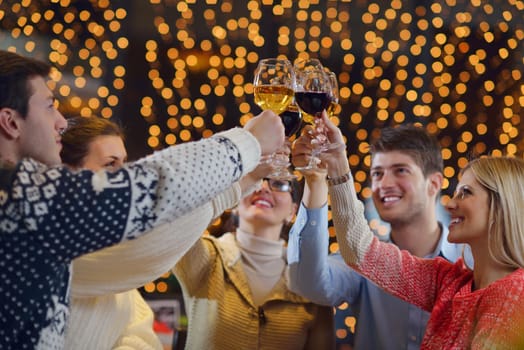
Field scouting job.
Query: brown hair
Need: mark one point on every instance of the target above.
(15, 73)
(81, 131)
(414, 141)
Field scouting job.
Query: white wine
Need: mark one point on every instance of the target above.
(273, 97)
(308, 118)
(333, 108)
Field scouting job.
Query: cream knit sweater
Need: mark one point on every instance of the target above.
(106, 311)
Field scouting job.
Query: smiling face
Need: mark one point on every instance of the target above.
(400, 191)
(107, 151)
(265, 210)
(40, 130)
(469, 210)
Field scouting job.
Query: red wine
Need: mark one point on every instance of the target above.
(312, 102)
(291, 118)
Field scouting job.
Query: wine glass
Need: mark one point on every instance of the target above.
(292, 120)
(313, 93)
(303, 64)
(334, 107)
(274, 83)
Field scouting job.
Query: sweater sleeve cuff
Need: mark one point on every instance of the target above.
(247, 146)
(226, 200)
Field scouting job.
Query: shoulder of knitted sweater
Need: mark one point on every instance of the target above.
(512, 280)
(226, 246)
(226, 239)
(456, 271)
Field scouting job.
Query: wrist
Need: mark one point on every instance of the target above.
(340, 179)
(338, 168)
(315, 176)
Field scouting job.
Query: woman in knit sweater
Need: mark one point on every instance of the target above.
(113, 320)
(235, 289)
(481, 308)
(107, 312)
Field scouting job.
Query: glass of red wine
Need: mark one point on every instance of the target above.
(313, 94)
(292, 119)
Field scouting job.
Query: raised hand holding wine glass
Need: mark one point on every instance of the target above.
(313, 94)
(274, 83)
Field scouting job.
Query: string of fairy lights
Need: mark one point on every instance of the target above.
(399, 48)
(454, 66)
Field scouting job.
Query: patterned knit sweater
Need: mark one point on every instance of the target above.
(120, 321)
(103, 315)
(49, 216)
(488, 318)
(222, 314)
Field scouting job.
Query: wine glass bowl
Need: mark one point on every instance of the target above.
(292, 119)
(334, 106)
(305, 64)
(313, 102)
(313, 87)
(273, 84)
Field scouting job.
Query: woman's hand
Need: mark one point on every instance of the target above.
(333, 160)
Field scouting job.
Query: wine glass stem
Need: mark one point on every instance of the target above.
(315, 152)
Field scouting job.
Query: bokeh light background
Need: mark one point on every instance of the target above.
(172, 71)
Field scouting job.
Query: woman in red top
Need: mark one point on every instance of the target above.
(480, 308)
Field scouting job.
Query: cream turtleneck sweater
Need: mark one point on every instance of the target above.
(263, 260)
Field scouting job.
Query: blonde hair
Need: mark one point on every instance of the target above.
(503, 178)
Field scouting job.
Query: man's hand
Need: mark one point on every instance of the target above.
(268, 129)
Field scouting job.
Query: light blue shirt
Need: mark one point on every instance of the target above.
(383, 321)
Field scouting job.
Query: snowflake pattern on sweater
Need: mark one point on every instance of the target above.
(49, 216)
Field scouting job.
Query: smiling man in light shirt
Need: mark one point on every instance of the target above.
(406, 179)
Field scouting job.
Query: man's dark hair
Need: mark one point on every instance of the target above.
(15, 73)
(414, 141)
(81, 131)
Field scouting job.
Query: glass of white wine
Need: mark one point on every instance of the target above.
(274, 84)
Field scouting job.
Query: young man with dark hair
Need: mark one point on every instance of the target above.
(50, 215)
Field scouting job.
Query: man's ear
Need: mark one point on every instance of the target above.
(435, 181)
(9, 123)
